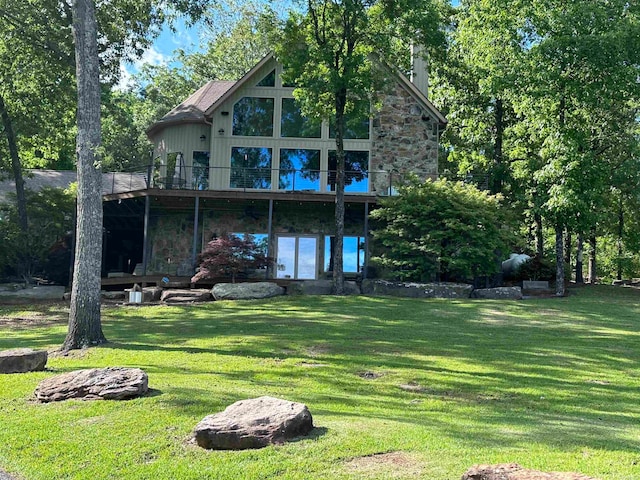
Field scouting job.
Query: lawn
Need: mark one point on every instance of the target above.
(399, 388)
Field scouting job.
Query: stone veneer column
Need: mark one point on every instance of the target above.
(405, 139)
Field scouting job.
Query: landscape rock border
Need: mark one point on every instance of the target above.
(253, 423)
(22, 360)
(111, 383)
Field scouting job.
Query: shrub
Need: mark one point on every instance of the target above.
(441, 230)
(230, 256)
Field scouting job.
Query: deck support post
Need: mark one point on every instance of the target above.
(194, 251)
(366, 240)
(269, 231)
(145, 236)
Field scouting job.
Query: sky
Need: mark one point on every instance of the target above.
(161, 51)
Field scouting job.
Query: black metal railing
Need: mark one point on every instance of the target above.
(373, 182)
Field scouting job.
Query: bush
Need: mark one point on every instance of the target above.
(537, 269)
(230, 256)
(441, 230)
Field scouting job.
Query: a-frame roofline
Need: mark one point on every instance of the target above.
(239, 84)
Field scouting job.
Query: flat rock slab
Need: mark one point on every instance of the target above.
(498, 293)
(22, 360)
(246, 291)
(513, 471)
(416, 290)
(186, 296)
(254, 423)
(111, 383)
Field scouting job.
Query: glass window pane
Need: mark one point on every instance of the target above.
(299, 169)
(356, 128)
(250, 167)
(286, 264)
(352, 254)
(307, 258)
(253, 117)
(356, 168)
(293, 124)
(200, 172)
(268, 81)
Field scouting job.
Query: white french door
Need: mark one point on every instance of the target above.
(297, 257)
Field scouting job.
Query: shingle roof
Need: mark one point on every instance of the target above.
(193, 108)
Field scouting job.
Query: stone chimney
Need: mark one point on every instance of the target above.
(419, 69)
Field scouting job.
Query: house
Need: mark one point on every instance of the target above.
(238, 157)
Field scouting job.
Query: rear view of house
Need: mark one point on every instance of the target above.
(239, 158)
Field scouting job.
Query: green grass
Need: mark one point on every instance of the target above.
(551, 384)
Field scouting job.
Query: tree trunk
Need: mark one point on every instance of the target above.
(338, 266)
(16, 166)
(497, 180)
(620, 235)
(579, 260)
(560, 289)
(85, 327)
(568, 240)
(592, 260)
(537, 218)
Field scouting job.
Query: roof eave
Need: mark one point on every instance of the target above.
(209, 111)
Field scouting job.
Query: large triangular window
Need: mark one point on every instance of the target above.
(268, 81)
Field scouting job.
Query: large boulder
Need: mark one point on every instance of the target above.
(186, 296)
(22, 360)
(113, 383)
(151, 294)
(498, 293)
(416, 290)
(319, 287)
(246, 291)
(254, 423)
(513, 471)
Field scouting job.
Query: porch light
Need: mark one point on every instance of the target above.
(221, 131)
(203, 137)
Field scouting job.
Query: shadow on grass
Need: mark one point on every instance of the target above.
(558, 371)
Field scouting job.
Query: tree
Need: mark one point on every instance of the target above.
(566, 70)
(85, 328)
(441, 230)
(334, 53)
(230, 256)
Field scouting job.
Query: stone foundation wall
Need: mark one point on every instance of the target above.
(171, 233)
(405, 139)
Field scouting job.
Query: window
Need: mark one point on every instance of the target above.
(261, 240)
(253, 117)
(293, 124)
(200, 171)
(268, 81)
(299, 169)
(353, 254)
(296, 257)
(356, 168)
(356, 128)
(250, 167)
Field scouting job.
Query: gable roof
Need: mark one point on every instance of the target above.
(192, 110)
(205, 100)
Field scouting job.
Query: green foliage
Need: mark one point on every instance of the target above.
(50, 212)
(536, 269)
(441, 230)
